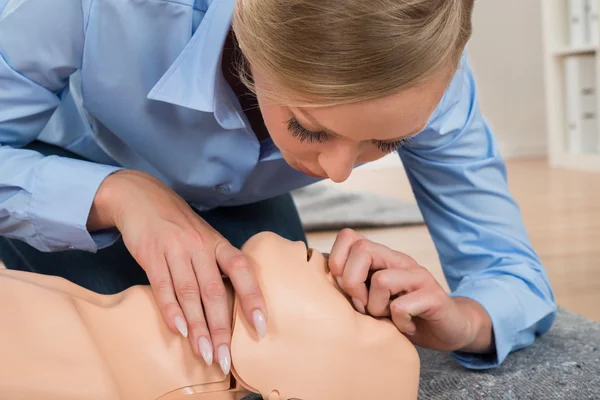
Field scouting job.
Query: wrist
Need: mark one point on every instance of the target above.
(102, 212)
(479, 326)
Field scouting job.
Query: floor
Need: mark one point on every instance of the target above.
(561, 210)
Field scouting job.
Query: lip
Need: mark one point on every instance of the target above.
(308, 171)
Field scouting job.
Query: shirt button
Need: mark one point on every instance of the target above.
(223, 189)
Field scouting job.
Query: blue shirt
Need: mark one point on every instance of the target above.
(138, 85)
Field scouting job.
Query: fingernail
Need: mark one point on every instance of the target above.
(359, 305)
(260, 323)
(339, 282)
(205, 350)
(224, 358)
(181, 326)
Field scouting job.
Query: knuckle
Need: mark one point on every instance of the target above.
(175, 237)
(161, 280)
(425, 276)
(362, 245)
(198, 327)
(250, 298)
(404, 262)
(409, 261)
(220, 333)
(237, 263)
(187, 238)
(214, 290)
(351, 287)
(170, 308)
(188, 290)
(380, 280)
(440, 297)
(336, 266)
(346, 233)
(195, 236)
(397, 308)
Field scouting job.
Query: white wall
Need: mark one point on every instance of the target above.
(506, 55)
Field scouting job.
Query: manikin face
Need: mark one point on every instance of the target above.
(329, 142)
(317, 345)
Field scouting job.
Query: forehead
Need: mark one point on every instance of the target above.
(389, 117)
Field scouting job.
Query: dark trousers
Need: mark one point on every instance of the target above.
(113, 269)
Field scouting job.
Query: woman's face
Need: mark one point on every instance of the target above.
(329, 142)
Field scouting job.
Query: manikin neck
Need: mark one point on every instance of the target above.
(236, 390)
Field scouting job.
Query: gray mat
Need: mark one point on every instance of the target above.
(564, 364)
(323, 207)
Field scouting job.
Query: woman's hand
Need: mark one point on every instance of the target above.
(386, 283)
(181, 254)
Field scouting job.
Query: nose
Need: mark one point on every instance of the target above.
(339, 161)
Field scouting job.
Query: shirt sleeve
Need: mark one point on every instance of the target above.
(44, 201)
(460, 183)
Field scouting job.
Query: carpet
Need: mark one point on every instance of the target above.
(323, 208)
(564, 364)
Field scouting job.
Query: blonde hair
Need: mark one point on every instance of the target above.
(328, 52)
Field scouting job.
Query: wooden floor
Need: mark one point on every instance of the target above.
(561, 210)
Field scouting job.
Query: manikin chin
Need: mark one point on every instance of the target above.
(59, 341)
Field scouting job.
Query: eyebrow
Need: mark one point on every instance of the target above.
(315, 122)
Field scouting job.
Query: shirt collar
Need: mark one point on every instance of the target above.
(195, 80)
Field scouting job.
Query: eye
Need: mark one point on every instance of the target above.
(390, 147)
(303, 134)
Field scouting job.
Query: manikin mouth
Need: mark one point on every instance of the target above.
(309, 254)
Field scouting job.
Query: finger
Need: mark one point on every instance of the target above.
(162, 287)
(216, 309)
(356, 272)
(380, 292)
(384, 257)
(238, 268)
(188, 294)
(387, 284)
(423, 303)
(402, 320)
(341, 250)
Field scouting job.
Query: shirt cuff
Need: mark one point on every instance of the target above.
(506, 315)
(63, 195)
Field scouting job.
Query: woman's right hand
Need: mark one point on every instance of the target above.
(183, 257)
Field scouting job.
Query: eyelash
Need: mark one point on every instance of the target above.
(306, 136)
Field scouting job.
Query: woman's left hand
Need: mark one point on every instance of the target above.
(387, 283)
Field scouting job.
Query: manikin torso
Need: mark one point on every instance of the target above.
(59, 341)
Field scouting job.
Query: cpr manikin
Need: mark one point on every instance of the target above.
(59, 341)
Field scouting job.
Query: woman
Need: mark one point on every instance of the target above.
(132, 153)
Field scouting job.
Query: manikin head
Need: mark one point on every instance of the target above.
(317, 346)
(345, 82)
